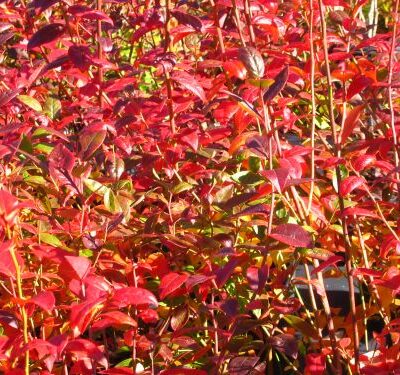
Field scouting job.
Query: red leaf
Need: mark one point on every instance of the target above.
(115, 319)
(171, 282)
(286, 306)
(225, 272)
(260, 209)
(285, 343)
(388, 244)
(194, 280)
(118, 371)
(315, 364)
(134, 296)
(98, 16)
(44, 300)
(5, 36)
(349, 184)
(237, 200)
(149, 316)
(7, 96)
(61, 163)
(279, 178)
(188, 19)
(278, 85)
(355, 211)
(80, 57)
(9, 208)
(183, 371)
(367, 272)
(41, 5)
(257, 277)
(242, 365)
(75, 267)
(235, 69)
(359, 83)
(329, 262)
(292, 235)
(7, 267)
(190, 138)
(259, 145)
(350, 122)
(45, 351)
(363, 162)
(91, 140)
(189, 83)
(85, 12)
(82, 349)
(82, 314)
(46, 34)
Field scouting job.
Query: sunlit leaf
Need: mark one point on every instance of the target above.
(292, 235)
(30, 102)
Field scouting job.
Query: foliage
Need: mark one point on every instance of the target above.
(181, 181)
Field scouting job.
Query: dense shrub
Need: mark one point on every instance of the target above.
(199, 187)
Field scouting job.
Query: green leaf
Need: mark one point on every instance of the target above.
(95, 186)
(301, 325)
(86, 253)
(52, 107)
(182, 186)
(26, 145)
(247, 178)
(125, 363)
(111, 202)
(263, 83)
(44, 147)
(254, 164)
(35, 180)
(30, 102)
(50, 239)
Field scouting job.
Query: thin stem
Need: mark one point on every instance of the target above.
(218, 26)
(100, 55)
(168, 82)
(346, 237)
(238, 23)
(247, 13)
(391, 106)
(21, 297)
(313, 106)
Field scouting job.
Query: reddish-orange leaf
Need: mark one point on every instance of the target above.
(170, 283)
(350, 123)
(349, 184)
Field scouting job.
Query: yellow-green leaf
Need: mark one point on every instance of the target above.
(30, 102)
(95, 186)
(50, 239)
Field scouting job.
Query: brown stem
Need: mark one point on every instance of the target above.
(24, 315)
(134, 352)
(391, 106)
(346, 237)
(167, 76)
(313, 106)
(170, 102)
(238, 23)
(218, 26)
(247, 13)
(100, 55)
